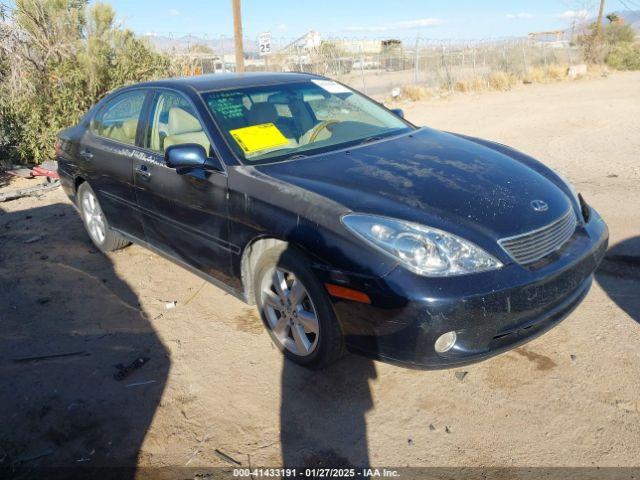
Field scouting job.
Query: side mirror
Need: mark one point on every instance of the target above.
(398, 111)
(189, 156)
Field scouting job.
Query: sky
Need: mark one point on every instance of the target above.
(461, 19)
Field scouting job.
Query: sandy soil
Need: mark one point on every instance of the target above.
(213, 383)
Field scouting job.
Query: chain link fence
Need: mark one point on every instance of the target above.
(376, 67)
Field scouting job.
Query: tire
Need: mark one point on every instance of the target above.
(287, 324)
(95, 222)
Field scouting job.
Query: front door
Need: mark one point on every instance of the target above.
(183, 215)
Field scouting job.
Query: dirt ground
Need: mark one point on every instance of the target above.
(213, 385)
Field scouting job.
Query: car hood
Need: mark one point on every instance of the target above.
(433, 178)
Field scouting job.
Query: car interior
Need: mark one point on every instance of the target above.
(303, 118)
(291, 114)
(182, 127)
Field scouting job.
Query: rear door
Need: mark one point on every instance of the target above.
(108, 149)
(183, 215)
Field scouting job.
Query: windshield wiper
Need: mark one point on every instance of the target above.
(297, 156)
(369, 140)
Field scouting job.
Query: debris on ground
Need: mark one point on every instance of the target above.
(124, 372)
(21, 172)
(34, 239)
(447, 429)
(29, 192)
(80, 353)
(139, 384)
(171, 305)
(29, 457)
(461, 374)
(227, 458)
(47, 169)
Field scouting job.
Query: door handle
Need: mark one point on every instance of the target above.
(143, 172)
(86, 154)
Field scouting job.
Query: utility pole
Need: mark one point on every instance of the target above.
(600, 12)
(237, 32)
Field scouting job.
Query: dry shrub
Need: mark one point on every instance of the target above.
(556, 72)
(546, 74)
(417, 92)
(502, 81)
(595, 71)
(475, 84)
(535, 75)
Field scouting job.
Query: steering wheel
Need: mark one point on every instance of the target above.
(315, 131)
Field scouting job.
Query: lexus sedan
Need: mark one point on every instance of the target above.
(347, 226)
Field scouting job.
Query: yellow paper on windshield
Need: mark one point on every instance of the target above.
(258, 137)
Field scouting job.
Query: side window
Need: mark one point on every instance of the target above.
(174, 122)
(118, 120)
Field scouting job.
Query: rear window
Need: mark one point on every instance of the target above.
(118, 119)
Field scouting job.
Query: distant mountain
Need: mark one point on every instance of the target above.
(220, 46)
(631, 17)
(224, 45)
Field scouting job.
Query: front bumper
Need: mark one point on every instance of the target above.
(490, 312)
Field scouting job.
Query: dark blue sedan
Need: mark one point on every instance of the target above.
(346, 225)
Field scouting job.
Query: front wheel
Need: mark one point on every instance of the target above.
(296, 310)
(96, 223)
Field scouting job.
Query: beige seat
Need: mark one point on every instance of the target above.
(123, 133)
(183, 128)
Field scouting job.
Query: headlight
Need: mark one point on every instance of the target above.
(423, 250)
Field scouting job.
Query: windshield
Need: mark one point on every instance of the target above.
(270, 123)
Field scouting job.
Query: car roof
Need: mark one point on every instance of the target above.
(225, 81)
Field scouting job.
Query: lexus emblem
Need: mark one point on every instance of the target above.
(539, 205)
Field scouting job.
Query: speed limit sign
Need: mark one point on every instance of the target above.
(264, 43)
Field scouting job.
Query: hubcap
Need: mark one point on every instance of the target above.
(290, 312)
(93, 217)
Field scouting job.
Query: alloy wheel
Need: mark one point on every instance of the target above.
(289, 311)
(93, 217)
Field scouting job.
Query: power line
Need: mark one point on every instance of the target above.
(633, 12)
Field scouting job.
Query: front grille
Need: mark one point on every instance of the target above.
(532, 246)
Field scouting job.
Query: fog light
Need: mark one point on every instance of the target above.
(445, 342)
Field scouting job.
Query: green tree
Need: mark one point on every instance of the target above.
(57, 58)
(613, 17)
(201, 48)
(617, 32)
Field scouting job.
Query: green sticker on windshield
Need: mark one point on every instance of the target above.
(228, 105)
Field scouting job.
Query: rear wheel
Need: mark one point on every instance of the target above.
(296, 309)
(96, 223)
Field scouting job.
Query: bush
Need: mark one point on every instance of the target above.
(416, 93)
(57, 59)
(502, 81)
(546, 74)
(624, 56)
(617, 32)
(473, 84)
